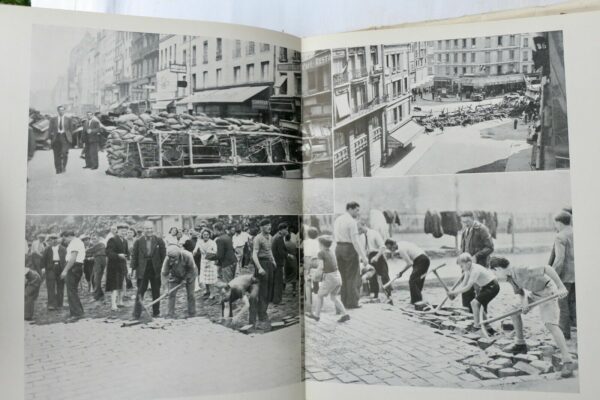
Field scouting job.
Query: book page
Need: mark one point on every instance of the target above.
(459, 155)
(153, 169)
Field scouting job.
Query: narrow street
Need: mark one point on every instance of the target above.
(98, 193)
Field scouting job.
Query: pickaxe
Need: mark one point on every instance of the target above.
(145, 316)
(422, 276)
(433, 271)
(516, 311)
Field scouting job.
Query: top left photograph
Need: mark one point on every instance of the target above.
(141, 123)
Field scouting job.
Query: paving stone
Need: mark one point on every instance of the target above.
(358, 372)
(543, 366)
(322, 376)
(347, 378)
(526, 367)
(395, 381)
(507, 372)
(484, 343)
(370, 379)
(547, 350)
(524, 357)
(383, 374)
(507, 325)
(481, 373)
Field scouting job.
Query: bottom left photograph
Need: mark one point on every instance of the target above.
(110, 293)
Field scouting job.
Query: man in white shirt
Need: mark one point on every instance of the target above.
(415, 258)
(73, 272)
(349, 253)
(374, 247)
(239, 238)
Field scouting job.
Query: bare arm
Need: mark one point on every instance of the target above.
(554, 276)
(255, 257)
(69, 265)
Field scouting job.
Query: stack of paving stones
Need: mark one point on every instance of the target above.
(491, 363)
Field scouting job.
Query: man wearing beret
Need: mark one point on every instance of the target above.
(179, 267)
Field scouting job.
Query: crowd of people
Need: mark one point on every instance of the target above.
(208, 259)
(359, 267)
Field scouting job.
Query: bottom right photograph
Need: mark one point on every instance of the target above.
(464, 281)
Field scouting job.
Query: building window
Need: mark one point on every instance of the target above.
(237, 51)
(525, 69)
(264, 70)
(205, 52)
(487, 57)
(455, 58)
(455, 43)
(499, 59)
(184, 38)
(472, 57)
(473, 42)
(236, 74)
(464, 57)
(447, 70)
(374, 55)
(283, 89)
(250, 72)
(525, 42)
(265, 47)
(283, 55)
(512, 40)
(250, 48)
(174, 54)
(525, 55)
(455, 71)
(219, 55)
(184, 57)
(464, 43)
(488, 42)
(447, 44)
(511, 55)
(204, 79)
(447, 57)
(439, 44)
(194, 55)
(464, 70)
(499, 40)
(439, 58)
(194, 82)
(298, 84)
(218, 80)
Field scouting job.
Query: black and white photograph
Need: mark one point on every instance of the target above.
(202, 304)
(449, 281)
(135, 113)
(460, 105)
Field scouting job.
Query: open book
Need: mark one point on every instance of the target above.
(213, 210)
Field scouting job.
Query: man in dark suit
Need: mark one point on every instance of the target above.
(53, 261)
(280, 254)
(91, 139)
(477, 241)
(61, 137)
(147, 259)
(226, 259)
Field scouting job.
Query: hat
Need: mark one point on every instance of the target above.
(265, 222)
(84, 236)
(173, 250)
(52, 236)
(122, 226)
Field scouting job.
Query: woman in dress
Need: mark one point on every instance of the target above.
(208, 267)
(171, 237)
(116, 268)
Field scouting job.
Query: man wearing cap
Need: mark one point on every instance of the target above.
(179, 267)
(265, 267)
(116, 269)
(97, 251)
(225, 254)
(72, 273)
(477, 241)
(147, 258)
(280, 254)
(53, 262)
(349, 253)
(37, 252)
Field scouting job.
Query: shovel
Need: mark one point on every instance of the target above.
(145, 316)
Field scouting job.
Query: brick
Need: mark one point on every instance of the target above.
(547, 350)
(347, 378)
(526, 367)
(481, 373)
(543, 366)
(484, 343)
(370, 379)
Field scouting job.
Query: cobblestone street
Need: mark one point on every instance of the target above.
(383, 345)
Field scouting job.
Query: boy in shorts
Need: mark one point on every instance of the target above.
(532, 284)
(331, 280)
(482, 279)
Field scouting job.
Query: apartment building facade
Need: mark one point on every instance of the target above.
(144, 65)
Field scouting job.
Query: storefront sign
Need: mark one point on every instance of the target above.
(288, 67)
(178, 68)
(260, 104)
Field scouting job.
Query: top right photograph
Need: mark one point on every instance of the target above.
(450, 106)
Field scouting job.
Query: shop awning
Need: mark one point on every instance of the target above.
(229, 95)
(162, 104)
(405, 134)
(280, 81)
(481, 81)
(342, 106)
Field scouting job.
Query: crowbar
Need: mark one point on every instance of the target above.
(145, 309)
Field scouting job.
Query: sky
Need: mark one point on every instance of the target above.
(50, 50)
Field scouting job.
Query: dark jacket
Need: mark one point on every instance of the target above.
(225, 251)
(53, 129)
(279, 250)
(478, 242)
(140, 256)
(91, 130)
(114, 247)
(48, 255)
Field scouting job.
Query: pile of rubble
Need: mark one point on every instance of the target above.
(490, 361)
(130, 129)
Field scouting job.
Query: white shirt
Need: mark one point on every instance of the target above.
(76, 245)
(412, 250)
(345, 228)
(240, 239)
(373, 241)
(55, 255)
(60, 123)
(311, 247)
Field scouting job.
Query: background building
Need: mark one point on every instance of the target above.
(144, 64)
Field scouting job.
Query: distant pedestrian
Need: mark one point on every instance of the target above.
(516, 121)
(226, 260)
(61, 138)
(91, 140)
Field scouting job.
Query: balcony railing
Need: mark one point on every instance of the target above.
(366, 107)
(340, 78)
(360, 143)
(377, 133)
(341, 155)
(359, 73)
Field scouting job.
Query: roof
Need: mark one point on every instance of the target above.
(229, 95)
